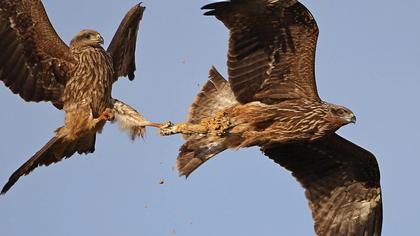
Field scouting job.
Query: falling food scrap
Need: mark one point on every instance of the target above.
(162, 181)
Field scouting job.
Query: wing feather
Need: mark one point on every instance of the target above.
(123, 45)
(35, 61)
(271, 49)
(341, 181)
(215, 96)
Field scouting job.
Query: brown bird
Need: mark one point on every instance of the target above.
(36, 64)
(271, 101)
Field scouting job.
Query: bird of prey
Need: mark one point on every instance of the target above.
(36, 64)
(271, 101)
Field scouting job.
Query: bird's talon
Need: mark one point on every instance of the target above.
(167, 128)
(107, 115)
(166, 125)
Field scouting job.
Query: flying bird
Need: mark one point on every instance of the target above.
(271, 101)
(36, 64)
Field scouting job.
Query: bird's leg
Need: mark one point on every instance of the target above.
(107, 115)
(170, 128)
(217, 125)
(153, 124)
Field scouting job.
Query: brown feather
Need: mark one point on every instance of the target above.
(271, 49)
(341, 182)
(123, 45)
(55, 150)
(214, 97)
(271, 72)
(38, 66)
(36, 61)
(197, 150)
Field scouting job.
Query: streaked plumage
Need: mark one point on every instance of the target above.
(271, 101)
(36, 64)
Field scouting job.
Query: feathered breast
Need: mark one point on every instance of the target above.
(91, 80)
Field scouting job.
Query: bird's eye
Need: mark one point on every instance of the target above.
(87, 36)
(340, 112)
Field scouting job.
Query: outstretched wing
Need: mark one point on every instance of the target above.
(341, 182)
(271, 49)
(34, 61)
(123, 45)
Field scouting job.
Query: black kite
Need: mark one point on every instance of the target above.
(271, 101)
(36, 64)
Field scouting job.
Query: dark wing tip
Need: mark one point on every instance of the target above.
(131, 76)
(215, 5)
(210, 13)
(213, 72)
(137, 9)
(207, 6)
(6, 188)
(216, 77)
(215, 8)
(12, 180)
(140, 6)
(123, 44)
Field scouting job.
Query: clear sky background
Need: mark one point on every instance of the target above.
(367, 59)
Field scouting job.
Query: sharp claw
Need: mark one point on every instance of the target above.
(167, 128)
(107, 115)
(167, 124)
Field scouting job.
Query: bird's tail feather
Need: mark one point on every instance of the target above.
(197, 150)
(56, 149)
(215, 96)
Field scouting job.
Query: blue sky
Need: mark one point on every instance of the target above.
(367, 59)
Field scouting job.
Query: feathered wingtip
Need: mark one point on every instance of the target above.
(215, 8)
(136, 11)
(138, 7)
(134, 14)
(215, 75)
(218, 8)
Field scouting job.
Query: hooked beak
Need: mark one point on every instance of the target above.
(100, 39)
(353, 119)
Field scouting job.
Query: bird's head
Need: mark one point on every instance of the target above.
(341, 115)
(87, 38)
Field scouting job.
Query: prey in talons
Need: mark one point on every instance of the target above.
(218, 125)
